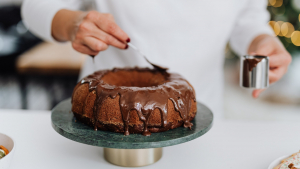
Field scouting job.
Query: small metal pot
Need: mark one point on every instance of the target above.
(254, 71)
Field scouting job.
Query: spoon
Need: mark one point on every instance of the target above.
(159, 68)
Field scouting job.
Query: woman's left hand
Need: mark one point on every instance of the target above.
(279, 58)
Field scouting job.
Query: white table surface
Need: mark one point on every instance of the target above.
(228, 145)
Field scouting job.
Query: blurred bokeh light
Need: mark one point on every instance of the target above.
(285, 21)
(276, 3)
(296, 38)
(287, 29)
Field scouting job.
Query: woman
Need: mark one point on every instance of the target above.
(189, 36)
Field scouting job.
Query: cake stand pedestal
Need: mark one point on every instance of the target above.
(128, 151)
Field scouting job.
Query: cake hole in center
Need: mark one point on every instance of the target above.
(134, 78)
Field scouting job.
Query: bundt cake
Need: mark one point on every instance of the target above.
(134, 100)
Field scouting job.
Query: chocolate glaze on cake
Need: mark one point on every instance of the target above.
(143, 99)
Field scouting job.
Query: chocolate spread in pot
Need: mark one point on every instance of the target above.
(249, 64)
(143, 99)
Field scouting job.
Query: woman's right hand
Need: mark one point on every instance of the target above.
(89, 32)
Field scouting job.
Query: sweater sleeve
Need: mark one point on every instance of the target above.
(251, 22)
(37, 15)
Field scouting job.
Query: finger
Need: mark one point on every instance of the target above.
(277, 60)
(106, 38)
(83, 49)
(111, 28)
(257, 92)
(276, 74)
(95, 44)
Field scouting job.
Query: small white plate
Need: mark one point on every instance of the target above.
(10, 144)
(277, 162)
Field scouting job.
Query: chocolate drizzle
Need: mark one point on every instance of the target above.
(251, 63)
(143, 99)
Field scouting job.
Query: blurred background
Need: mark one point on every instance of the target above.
(38, 75)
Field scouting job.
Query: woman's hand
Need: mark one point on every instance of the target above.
(280, 59)
(89, 32)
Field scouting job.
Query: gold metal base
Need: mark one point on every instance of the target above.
(132, 157)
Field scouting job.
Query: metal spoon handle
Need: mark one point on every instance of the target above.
(136, 49)
(154, 65)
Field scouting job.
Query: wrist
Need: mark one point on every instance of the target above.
(64, 24)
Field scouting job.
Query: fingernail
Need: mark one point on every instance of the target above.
(126, 47)
(128, 40)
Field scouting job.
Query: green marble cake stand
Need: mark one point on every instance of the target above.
(133, 150)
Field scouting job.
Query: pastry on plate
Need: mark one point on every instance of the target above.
(292, 162)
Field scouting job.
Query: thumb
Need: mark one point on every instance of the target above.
(257, 92)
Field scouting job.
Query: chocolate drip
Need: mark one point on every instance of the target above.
(249, 65)
(143, 99)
